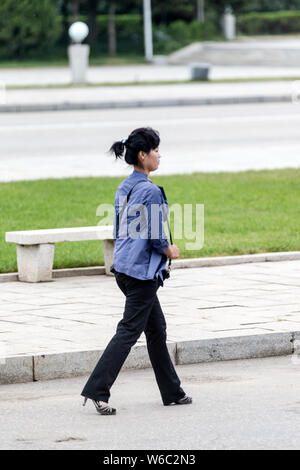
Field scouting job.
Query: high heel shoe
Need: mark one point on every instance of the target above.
(182, 401)
(101, 409)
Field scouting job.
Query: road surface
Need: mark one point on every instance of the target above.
(250, 404)
(198, 138)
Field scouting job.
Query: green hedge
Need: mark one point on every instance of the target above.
(166, 38)
(279, 22)
(169, 38)
(129, 30)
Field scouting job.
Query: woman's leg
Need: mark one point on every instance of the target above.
(140, 296)
(166, 377)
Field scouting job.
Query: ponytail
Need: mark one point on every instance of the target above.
(118, 149)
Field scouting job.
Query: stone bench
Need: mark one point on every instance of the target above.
(35, 248)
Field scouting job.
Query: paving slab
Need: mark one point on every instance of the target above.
(59, 328)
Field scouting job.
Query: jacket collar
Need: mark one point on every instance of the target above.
(139, 175)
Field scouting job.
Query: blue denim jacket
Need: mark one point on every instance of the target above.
(140, 256)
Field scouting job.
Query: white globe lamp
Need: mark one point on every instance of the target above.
(78, 31)
(78, 53)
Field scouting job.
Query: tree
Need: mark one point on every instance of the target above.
(27, 26)
(112, 40)
(200, 11)
(92, 21)
(246, 6)
(275, 5)
(74, 7)
(167, 11)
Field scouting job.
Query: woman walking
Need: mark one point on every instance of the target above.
(139, 266)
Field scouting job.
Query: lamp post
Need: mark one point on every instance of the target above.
(148, 30)
(228, 23)
(78, 53)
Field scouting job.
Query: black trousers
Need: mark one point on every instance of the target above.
(142, 313)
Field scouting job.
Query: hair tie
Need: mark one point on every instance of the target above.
(124, 140)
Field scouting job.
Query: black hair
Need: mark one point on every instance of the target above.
(142, 139)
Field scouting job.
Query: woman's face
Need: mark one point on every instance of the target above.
(150, 161)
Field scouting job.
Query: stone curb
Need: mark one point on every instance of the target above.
(72, 106)
(176, 264)
(20, 369)
(237, 259)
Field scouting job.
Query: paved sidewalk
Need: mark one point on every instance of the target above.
(136, 73)
(109, 97)
(141, 95)
(57, 329)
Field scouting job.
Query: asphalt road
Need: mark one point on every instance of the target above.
(201, 138)
(250, 404)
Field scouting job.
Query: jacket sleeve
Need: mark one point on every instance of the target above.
(156, 233)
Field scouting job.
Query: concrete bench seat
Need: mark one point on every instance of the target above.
(35, 248)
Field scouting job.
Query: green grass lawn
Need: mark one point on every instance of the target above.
(245, 212)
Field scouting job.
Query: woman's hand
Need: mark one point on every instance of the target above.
(172, 252)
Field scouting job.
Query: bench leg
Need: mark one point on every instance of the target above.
(108, 251)
(35, 262)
